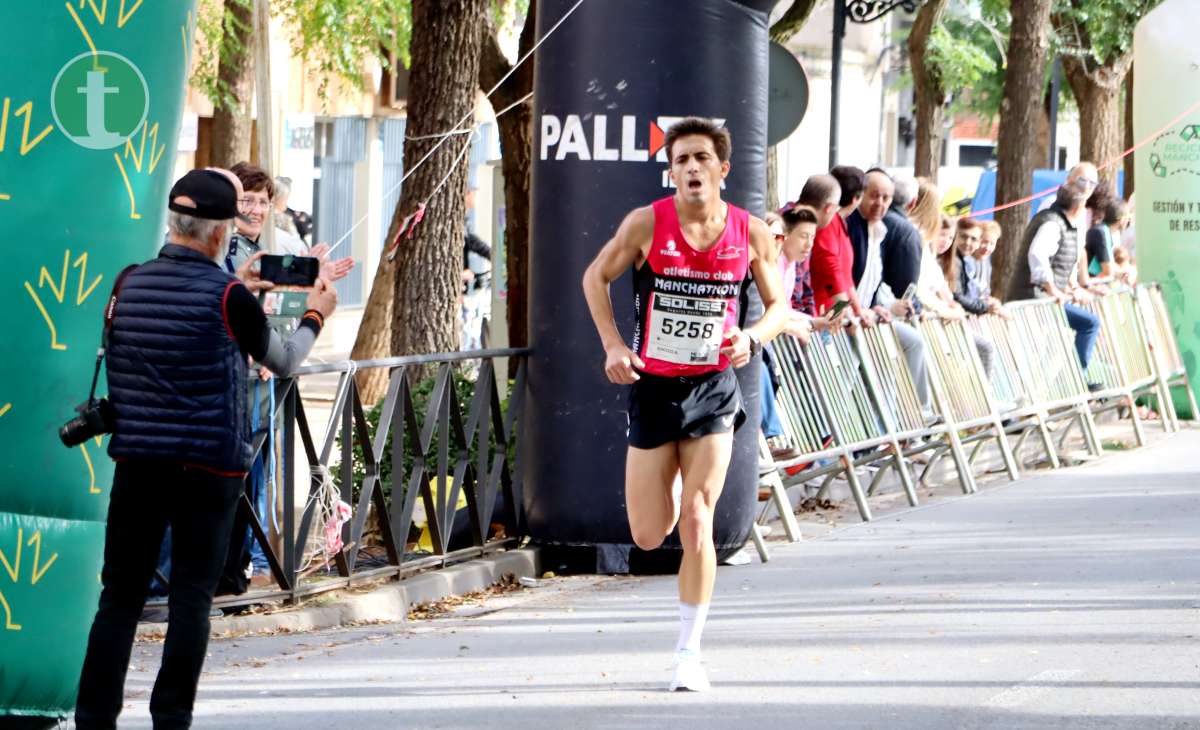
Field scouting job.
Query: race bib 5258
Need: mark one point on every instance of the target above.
(685, 330)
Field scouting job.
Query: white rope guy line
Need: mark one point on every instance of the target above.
(458, 128)
(396, 187)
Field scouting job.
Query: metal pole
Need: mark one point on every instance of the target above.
(290, 567)
(1055, 87)
(262, 91)
(835, 77)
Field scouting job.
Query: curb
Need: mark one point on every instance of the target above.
(389, 603)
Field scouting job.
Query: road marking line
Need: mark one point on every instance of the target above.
(1025, 692)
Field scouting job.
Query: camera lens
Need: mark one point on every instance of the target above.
(74, 432)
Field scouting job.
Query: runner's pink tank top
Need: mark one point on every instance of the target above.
(686, 299)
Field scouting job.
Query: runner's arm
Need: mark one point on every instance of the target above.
(626, 248)
(766, 276)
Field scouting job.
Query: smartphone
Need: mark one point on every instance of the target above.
(289, 270)
(909, 293)
(836, 309)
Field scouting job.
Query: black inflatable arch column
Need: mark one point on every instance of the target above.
(610, 81)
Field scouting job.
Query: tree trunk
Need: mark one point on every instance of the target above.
(516, 144)
(1019, 110)
(516, 160)
(232, 125)
(374, 337)
(1097, 91)
(412, 307)
(928, 95)
(1130, 167)
(930, 118)
(1040, 139)
(442, 90)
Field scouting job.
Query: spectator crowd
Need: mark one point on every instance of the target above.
(858, 248)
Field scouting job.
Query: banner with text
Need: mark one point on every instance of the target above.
(1168, 169)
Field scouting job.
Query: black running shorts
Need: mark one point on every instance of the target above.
(666, 409)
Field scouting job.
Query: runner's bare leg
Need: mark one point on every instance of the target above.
(649, 474)
(704, 462)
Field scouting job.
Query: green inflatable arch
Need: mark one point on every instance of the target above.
(1166, 113)
(91, 98)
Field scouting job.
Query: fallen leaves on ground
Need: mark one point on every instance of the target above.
(812, 504)
(434, 609)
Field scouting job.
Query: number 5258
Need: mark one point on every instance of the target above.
(684, 328)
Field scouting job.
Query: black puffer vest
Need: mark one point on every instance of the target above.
(176, 377)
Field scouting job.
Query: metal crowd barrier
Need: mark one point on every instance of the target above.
(819, 418)
(1045, 352)
(848, 399)
(1169, 368)
(833, 418)
(963, 395)
(886, 373)
(1121, 362)
(439, 443)
(1010, 382)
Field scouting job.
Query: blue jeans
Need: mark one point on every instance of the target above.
(771, 426)
(258, 492)
(1087, 328)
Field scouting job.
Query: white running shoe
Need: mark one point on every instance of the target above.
(689, 673)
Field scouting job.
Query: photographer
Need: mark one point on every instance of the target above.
(181, 332)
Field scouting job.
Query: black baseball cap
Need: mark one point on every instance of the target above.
(204, 194)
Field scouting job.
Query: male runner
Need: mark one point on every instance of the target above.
(692, 254)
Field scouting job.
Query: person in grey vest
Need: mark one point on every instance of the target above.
(182, 329)
(1051, 264)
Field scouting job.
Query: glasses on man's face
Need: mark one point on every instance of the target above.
(253, 204)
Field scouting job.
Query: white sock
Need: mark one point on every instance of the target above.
(691, 625)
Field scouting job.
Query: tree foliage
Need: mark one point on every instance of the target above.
(337, 40)
(792, 20)
(958, 62)
(965, 56)
(1095, 41)
(217, 36)
(1098, 31)
(509, 12)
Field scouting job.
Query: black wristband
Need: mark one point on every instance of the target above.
(313, 320)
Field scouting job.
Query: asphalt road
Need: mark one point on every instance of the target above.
(1064, 600)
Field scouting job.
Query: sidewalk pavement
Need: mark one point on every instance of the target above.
(387, 603)
(1064, 600)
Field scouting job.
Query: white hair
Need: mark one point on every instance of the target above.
(186, 226)
(906, 192)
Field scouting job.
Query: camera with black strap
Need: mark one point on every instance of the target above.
(96, 415)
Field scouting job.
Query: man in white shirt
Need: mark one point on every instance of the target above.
(872, 290)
